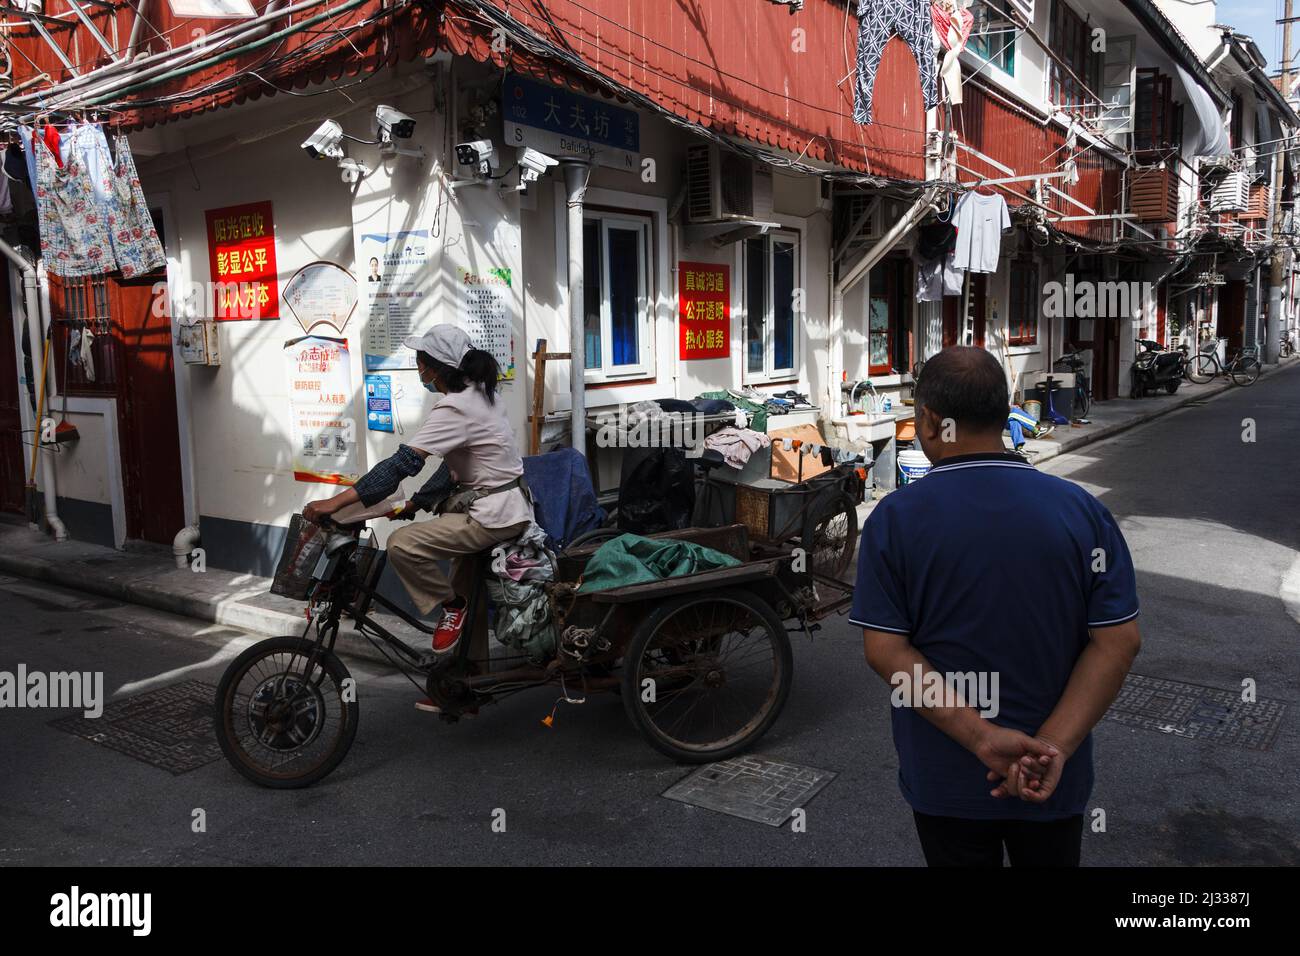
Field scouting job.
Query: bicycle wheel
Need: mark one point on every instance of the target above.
(1084, 400)
(1202, 368)
(1246, 372)
(592, 537)
(280, 725)
(706, 675)
(830, 533)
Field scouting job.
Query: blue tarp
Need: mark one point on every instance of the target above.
(566, 500)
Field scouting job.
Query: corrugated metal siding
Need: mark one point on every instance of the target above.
(1016, 139)
(732, 65)
(729, 64)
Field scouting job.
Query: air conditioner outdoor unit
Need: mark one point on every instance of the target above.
(721, 186)
(1231, 193)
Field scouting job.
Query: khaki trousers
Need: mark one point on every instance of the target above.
(414, 550)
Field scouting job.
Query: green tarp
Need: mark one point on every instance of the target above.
(632, 559)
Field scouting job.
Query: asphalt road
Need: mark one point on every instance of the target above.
(1210, 520)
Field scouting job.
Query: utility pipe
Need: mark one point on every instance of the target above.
(45, 326)
(32, 306)
(183, 53)
(575, 183)
(99, 98)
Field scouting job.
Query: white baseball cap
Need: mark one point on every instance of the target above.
(446, 343)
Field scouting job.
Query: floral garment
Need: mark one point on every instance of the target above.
(74, 232)
(135, 240)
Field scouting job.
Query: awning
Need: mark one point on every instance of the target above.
(1213, 140)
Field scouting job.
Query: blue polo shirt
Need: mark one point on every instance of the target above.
(987, 564)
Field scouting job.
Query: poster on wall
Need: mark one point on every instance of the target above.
(321, 293)
(704, 308)
(241, 260)
(322, 429)
(393, 279)
(485, 315)
(379, 403)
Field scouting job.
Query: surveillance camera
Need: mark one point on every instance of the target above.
(478, 154)
(326, 142)
(534, 164)
(393, 124)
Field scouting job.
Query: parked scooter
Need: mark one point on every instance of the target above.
(1154, 368)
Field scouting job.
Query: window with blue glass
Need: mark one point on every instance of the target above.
(771, 266)
(616, 295)
(993, 35)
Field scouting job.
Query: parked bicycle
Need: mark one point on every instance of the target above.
(1073, 361)
(1242, 368)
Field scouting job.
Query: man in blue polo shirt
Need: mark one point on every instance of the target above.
(1000, 604)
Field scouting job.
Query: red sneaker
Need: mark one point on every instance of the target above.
(447, 633)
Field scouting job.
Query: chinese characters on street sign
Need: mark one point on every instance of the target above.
(562, 123)
(704, 302)
(241, 256)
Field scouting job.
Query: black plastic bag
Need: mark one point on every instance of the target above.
(657, 492)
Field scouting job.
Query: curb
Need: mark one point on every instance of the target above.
(1108, 431)
(133, 588)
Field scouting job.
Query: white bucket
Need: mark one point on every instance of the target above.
(912, 465)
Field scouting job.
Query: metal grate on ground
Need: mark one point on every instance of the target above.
(752, 788)
(169, 728)
(1203, 713)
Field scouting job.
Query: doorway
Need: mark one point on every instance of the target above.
(133, 362)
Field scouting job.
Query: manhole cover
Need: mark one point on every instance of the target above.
(169, 728)
(752, 788)
(1190, 710)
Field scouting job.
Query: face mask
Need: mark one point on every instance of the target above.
(431, 388)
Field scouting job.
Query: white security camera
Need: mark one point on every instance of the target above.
(393, 124)
(326, 142)
(477, 154)
(534, 164)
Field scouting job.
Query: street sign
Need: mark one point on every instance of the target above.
(562, 124)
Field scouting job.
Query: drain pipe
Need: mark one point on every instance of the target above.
(32, 306)
(49, 481)
(185, 541)
(576, 172)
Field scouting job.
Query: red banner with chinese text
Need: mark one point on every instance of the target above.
(241, 256)
(704, 307)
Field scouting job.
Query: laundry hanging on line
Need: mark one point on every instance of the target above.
(878, 22)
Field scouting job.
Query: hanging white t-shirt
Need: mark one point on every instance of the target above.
(476, 440)
(979, 220)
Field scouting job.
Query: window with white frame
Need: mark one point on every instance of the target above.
(616, 293)
(771, 334)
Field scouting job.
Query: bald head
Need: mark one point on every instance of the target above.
(967, 385)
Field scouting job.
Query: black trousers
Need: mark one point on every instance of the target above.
(951, 841)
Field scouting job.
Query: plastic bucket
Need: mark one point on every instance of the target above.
(1034, 409)
(912, 465)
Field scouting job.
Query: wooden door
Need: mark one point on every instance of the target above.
(12, 479)
(1232, 313)
(150, 431)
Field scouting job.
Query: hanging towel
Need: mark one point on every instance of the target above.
(736, 445)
